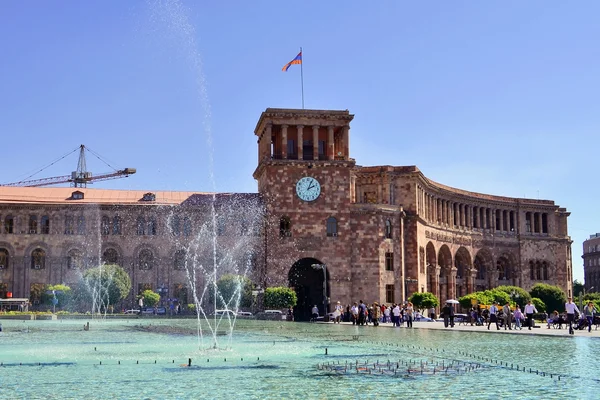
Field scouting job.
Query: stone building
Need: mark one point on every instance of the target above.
(591, 263)
(385, 232)
(320, 223)
(51, 235)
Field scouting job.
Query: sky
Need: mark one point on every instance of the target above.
(492, 97)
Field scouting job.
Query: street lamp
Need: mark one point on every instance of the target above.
(581, 297)
(324, 268)
(162, 291)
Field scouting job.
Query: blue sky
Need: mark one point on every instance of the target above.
(492, 97)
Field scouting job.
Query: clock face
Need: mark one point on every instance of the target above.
(308, 188)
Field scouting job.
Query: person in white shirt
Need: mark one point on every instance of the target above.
(354, 312)
(529, 310)
(571, 308)
(396, 313)
(493, 316)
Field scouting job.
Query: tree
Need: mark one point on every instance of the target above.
(150, 298)
(481, 297)
(538, 304)
(424, 300)
(104, 286)
(577, 287)
(64, 295)
(230, 288)
(552, 296)
(520, 297)
(280, 297)
(499, 296)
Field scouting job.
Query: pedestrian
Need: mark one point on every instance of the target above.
(571, 308)
(314, 313)
(446, 314)
(506, 311)
(493, 316)
(588, 312)
(432, 313)
(529, 310)
(376, 314)
(362, 313)
(409, 315)
(338, 312)
(386, 315)
(518, 315)
(396, 314)
(354, 312)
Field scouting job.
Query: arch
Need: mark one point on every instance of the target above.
(151, 226)
(74, 259)
(9, 224)
(463, 265)
(175, 225)
(38, 258)
(432, 275)
(545, 274)
(506, 267)
(483, 263)
(4, 258)
(110, 256)
(444, 260)
(307, 282)
(146, 259)
(116, 228)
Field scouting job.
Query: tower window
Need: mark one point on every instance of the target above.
(285, 227)
(389, 261)
(332, 228)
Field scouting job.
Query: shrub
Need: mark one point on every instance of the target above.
(280, 297)
(424, 300)
(539, 304)
(552, 296)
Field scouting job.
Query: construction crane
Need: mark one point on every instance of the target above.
(79, 178)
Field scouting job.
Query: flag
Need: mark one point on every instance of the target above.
(297, 60)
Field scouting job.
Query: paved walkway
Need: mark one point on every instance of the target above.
(539, 330)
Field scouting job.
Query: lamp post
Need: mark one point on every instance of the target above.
(514, 296)
(162, 291)
(581, 297)
(324, 268)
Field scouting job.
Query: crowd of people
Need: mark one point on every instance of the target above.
(503, 316)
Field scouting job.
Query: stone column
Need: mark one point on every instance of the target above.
(452, 283)
(346, 142)
(330, 148)
(284, 151)
(436, 283)
(315, 129)
(300, 128)
(539, 221)
(267, 140)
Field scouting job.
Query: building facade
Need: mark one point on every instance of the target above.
(386, 232)
(591, 262)
(320, 223)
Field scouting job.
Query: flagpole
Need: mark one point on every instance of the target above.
(302, 77)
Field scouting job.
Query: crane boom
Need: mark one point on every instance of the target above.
(79, 178)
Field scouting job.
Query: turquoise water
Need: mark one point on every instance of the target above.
(270, 359)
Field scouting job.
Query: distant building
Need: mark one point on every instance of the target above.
(329, 228)
(591, 263)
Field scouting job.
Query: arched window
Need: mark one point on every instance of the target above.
(175, 225)
(332, 228)
(110, 256)
(151, 227)
(146, 259)
(116, 225)
(38, 259)
(81, 225)
(33, 224)
(45, 225)
(69, 225)
(501, 270)
(74, 259)
(3, 259)
(9, 224)
(545, 270)
(179, 260)
(538, 270)
(285, 227)
(388, 229)
(141, 226)
(105, 225)
(187, 226)
(531, 270)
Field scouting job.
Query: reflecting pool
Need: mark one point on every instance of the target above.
(141, 358)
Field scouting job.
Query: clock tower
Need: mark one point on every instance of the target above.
(304, 174)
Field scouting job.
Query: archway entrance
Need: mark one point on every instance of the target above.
(307, 282)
